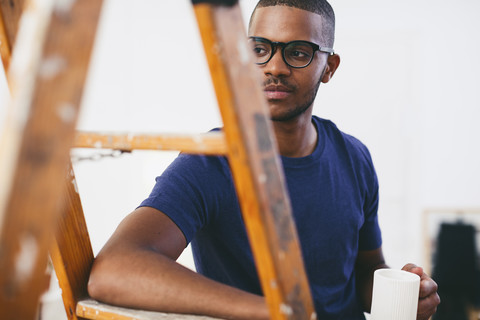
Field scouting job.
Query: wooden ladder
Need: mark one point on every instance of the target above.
(38, 194)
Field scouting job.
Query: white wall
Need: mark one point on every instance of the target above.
(408, 86)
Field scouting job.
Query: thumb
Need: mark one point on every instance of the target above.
(410, 267)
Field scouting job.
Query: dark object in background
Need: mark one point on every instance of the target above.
(456, 271)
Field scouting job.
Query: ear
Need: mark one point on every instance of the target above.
(333, 62)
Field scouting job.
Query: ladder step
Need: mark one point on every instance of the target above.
(212, 143)
(91, 309)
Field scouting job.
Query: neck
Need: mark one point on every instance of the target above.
(296, 138)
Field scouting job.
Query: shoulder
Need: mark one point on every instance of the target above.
(352, 145)
(198, 168)
(347, 150)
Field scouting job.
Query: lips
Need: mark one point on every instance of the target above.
(277, 92)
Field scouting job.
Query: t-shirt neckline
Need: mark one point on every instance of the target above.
(317, 152)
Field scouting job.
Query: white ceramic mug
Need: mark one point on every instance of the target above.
(395, 295)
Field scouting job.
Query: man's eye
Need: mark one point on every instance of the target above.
(299, 54)
(260, 51)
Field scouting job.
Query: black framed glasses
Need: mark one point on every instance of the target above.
(296, 54)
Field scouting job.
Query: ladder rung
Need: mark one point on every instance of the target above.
(212, 143)
(91, 309)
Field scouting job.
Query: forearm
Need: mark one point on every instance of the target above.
(365, 286)
(148, 280)
(367, 263)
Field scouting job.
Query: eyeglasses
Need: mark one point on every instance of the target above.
(296, 54)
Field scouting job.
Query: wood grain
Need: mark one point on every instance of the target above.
(72, 253)
(5, 46)
(46, 78)
(209, 143)
(92, 309)
(11, 13)
(255, 164)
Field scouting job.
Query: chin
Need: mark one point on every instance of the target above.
(288, 115)
(283, 118)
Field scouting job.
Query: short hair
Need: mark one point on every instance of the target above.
(320, 7)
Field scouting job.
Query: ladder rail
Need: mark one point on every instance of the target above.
(212, 143)
(71, 251)
(254, 161)
(46, 77)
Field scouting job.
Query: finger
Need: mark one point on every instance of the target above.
(410, 267)
(427, 287)
(427, 306)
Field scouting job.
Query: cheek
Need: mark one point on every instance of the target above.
(310, 81)
(320, 68)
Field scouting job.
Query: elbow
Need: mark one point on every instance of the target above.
(94, 287)
(98, 286)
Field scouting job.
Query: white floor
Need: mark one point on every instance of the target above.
(51, 302)
(53, 310)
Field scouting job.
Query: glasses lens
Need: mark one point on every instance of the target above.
(298, 53)
(261, 50)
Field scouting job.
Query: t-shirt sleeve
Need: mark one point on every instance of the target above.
(184, 193)
(370, 236)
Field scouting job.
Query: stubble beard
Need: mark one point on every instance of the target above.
(298, 110)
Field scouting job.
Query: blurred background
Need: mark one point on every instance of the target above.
(408, 86)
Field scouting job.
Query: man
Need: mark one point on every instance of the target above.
(330, 179)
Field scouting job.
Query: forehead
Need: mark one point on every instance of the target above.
(283, 23)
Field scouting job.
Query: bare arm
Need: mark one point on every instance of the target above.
(137, 268)
(367, 263)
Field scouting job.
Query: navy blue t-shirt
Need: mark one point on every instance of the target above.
(334, 197)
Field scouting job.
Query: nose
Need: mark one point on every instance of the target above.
(276, 66)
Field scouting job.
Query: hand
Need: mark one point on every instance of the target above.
(428, 298)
